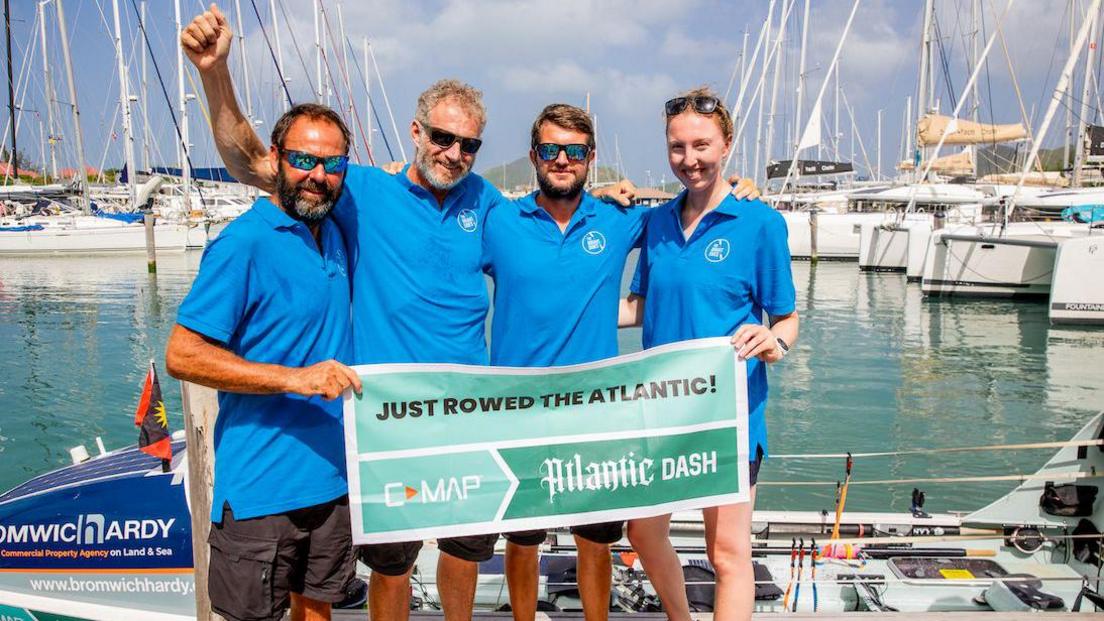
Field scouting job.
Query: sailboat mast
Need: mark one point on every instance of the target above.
(975, 10)
(922, 96)
(50, 97)
(368, 98)
(317, 55)
(778, 57)
(245, 63)
(1082, 123)
(878, 164)
(11, 91)
(279, 49)
(801, 68)
(124, 105)
(146, 165)
(182, 104)
(345, 72)
(1068, 95)
(82, 175)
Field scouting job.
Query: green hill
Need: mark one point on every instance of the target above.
(518, 175)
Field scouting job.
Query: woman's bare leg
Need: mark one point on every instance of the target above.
(650, 538)
(728, 543)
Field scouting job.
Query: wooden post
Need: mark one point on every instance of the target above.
(151, 246)
(200, 411)
(813, 235)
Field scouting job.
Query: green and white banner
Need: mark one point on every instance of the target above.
(449, 450)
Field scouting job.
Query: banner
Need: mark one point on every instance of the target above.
(807, 168)
(450, 450)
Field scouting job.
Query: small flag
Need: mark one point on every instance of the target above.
(811, 136)
(152, 421)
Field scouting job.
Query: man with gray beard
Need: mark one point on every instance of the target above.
(267, 324)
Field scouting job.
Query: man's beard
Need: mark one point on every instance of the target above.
(424, 163)
(306, 210)
(551, 191)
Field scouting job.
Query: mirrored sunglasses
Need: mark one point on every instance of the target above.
(332, 164)
(549, 151)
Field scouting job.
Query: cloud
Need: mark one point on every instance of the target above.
(625, 93)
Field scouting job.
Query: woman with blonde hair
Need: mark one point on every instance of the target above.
(712, 265)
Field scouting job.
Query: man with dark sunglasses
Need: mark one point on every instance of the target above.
(267, 324)
(557, 257)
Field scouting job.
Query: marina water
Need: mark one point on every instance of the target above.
(877, 368)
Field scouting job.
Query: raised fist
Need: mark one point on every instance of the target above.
(207, 39)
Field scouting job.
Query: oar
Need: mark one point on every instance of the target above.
(800, 570)
(841, 499)
(789, 585)
(813, 565)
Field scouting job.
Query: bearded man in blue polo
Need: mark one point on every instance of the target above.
(267, 324)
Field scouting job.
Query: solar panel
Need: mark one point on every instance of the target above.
(127, 462)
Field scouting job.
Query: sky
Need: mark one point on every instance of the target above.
(629, 56)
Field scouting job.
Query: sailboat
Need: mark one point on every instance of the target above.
(1014, 259)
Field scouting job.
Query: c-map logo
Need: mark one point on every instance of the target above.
(717, 250)
(594, 242)
(466, 220)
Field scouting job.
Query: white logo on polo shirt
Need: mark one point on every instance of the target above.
(466, 220)
(717, 250)
(594, 242)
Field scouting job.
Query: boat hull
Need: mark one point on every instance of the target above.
(1077, 292)
(837, 234)
(120, 238)
(971, 261)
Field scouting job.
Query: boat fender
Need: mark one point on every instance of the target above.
(1086, 542)
(1022, 595)
(1068, 500)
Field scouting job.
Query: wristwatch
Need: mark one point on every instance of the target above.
(782, 346)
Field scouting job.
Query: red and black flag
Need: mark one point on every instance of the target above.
(152, 421)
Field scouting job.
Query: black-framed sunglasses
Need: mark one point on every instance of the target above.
(332, 164)
(549, 151)
(703, 104)
(445, 139)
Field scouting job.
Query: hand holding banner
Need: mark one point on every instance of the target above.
(450, 450)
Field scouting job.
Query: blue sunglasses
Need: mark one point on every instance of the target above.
(549, 151)
(332, 164)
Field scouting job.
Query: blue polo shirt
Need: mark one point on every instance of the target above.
(735, 266)
(556, 293)
(266, 292)
(419, 293)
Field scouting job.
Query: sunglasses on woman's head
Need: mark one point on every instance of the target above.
(332, 164)
(549, 151)
(445, 140)
(703, 104)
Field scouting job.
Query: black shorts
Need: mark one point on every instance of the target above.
(754, 465)
(257, 563)
(604, 532)
(395, 559)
